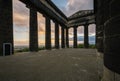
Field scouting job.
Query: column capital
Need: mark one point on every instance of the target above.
(31, 7)
(86, 25)
(55, 21)
(47, 17)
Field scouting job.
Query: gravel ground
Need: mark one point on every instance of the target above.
(50, 65)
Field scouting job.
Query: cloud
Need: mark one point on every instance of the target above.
(20, 14)
(21, 42)
(21, 19)
(76, 5)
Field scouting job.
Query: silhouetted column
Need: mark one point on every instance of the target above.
(56, 35)
(67, 37)
(33, 30)
(47, 33)
(75, 37)
(86, 39)
(6, 27)
(62, 38)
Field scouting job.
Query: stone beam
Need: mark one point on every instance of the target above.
(83, 19)
(46, 7)
(6, 27)
(80, 23)
(33, 31)
(81, 13)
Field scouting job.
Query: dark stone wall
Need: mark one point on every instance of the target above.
(108, 29)
(6, 24)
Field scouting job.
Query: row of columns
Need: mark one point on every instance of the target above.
(33, 44)
(6, 28)
(34, 35)
(86, 37)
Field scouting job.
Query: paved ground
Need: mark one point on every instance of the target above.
(54, 65)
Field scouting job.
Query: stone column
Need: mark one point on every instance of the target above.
(86, 38)
(108, 18)
(6, 26)
(112, 36)
(62, 37)
(75, 37)
(56, 35)
(47, 33)
(33, 44)
(67, 37)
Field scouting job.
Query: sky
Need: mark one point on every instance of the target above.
(21, 20)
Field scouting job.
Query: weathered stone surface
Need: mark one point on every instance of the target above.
(108, 75)
(54, 65)
(112, 40)
(108, 16)
(99, 38)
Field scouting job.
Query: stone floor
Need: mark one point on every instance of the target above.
(54, 65)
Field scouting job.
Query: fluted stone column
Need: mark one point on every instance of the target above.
(33, 30)
(62, 37)
(6, 26)
(108, 18)
(112, 36)
(56, 35)
(67, 37)
(75, 37)
(86, 38)
(47, 33)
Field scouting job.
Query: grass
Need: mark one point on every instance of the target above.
(43, 48)
(90, 46)
(22, 50)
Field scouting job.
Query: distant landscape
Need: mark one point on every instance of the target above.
(80, 41)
